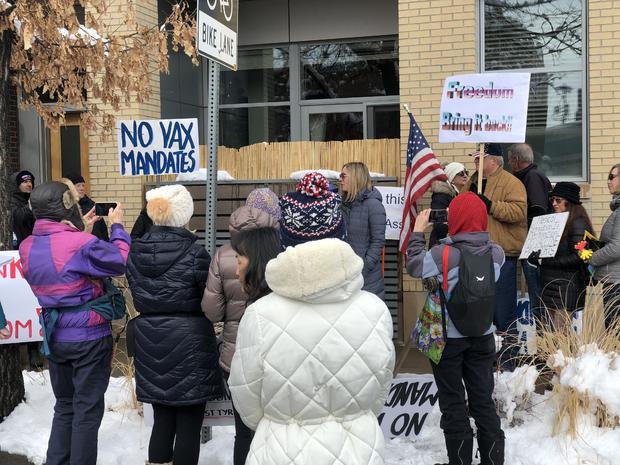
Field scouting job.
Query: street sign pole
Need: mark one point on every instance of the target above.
(211, 87)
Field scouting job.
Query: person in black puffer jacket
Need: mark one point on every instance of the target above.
(564, 278)
(175, 350)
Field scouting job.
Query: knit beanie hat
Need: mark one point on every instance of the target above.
(24, 176)
(311, 213)
(266, 200)
(452, 169)
(170, 205)
(76, 178)
(467, 213)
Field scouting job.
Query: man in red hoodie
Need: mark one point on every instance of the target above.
(466, 362)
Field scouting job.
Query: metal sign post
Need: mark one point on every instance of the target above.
(211, 79)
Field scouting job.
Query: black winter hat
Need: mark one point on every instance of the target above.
(24, 176)
(76, 178)
(567, 190)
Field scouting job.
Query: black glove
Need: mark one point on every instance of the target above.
(486, 201)
(533, 258)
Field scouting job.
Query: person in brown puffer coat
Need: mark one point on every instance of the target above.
(224, 298)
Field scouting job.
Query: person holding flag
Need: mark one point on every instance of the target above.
(422, 169)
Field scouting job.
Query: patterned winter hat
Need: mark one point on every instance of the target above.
(311, 213)
(264, 199)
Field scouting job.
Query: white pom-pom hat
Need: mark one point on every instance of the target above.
(170, 205)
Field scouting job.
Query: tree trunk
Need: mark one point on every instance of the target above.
(11, 379)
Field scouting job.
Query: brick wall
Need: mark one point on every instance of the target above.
(106, 184)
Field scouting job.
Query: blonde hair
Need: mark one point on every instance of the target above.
(359, 179)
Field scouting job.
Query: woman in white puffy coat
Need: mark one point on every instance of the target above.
(314, 361)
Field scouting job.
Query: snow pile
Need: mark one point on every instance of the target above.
(593, 373)
(513, 390)
(201, 175)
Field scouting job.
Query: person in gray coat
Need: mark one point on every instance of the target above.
(365, 219)
(606, 260)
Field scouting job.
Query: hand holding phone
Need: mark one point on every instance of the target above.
(439, 216)
(102, 209)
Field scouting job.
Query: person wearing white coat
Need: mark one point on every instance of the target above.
(314, 361)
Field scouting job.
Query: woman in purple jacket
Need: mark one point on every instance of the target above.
(65, 267)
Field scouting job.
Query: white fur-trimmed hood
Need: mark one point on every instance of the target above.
(321, 271)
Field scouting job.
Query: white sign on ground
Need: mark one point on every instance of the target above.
(159, 146)
(21, 307)
(409, 402)
(216, 37)
(544, 235)
(489, 107)
(393, 201)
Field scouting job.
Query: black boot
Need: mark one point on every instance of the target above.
(491, 451)
(459, 451)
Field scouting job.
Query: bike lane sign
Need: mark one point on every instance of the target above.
(217, 31)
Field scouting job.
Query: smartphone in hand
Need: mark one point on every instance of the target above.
(102, 209)
(438, 216)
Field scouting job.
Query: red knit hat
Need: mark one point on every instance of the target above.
(467, 213)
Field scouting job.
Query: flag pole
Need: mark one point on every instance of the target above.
(480, 163)
(406, 107)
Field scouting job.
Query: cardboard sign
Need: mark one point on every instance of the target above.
(410, 400)
(544, 235)
(216, 37)
(156, 147)
(489, 107)
(21, 307)
(219, 412)
(393, 201)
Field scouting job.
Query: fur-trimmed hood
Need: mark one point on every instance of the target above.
(323, 271)
(443, 187)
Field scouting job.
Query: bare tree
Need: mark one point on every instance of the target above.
(97, 67)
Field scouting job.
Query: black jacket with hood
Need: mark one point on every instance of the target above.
(537, 186)
(23, 219)
(176, 355)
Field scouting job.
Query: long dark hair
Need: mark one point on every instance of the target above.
(259, 245)
(576, 211)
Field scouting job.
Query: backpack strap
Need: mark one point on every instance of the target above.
(444, 263)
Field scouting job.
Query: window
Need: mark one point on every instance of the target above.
(545, 39)
(323, 91)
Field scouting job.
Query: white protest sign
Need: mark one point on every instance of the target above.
(393, 201)
(219, 412)
(216, 37)
(544, 235)
(489, 107)
(410, 400)
(155, 147)
(21, 307)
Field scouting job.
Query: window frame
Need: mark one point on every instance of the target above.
(583, 69)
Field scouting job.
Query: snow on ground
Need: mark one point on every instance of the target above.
(123, 438)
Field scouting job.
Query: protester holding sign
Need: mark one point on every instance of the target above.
(175, 350)
(564, 277)
(365, 218)
(506, 202)
(459, 338)
(606, 260)
(66, 269)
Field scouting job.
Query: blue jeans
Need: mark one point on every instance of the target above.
(506, 312)
(532, 279)
(79, 374)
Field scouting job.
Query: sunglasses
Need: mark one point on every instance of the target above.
(557, 200)
(611, 177)
(463, 173)
(342, 175)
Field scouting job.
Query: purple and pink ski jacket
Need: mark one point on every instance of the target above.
(63, 266)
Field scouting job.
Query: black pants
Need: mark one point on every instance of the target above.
(176, 434)
(611, 300)
(243, 435)
(467, 360)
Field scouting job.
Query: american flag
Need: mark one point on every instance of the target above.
(422, 169)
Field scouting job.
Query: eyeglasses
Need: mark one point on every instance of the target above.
(557, 200)
(463, 173)
(342, 175)
(611, 177)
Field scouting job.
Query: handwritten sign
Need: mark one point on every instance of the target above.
(155, 147)
(393, 202)
(408, 404)
(21, 307)
(544, 235)
(489, 107)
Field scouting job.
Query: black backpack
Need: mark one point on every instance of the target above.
(472, 304)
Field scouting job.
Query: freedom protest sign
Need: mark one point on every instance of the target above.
(156, 147)
(393, 202)
(544, 235)
(21, 307)
(408, 404)
(489, 107)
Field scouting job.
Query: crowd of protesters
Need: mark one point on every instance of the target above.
(306, 347)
